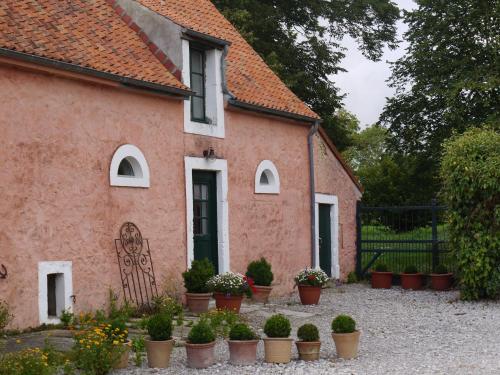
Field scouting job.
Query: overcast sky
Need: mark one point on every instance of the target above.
(365, 83)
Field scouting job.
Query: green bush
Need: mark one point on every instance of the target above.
(308, 333)
(381, 267)
(260, 272)
(470, 173)
(195, 279)
(221, 321)
(66, 318)
(411, 269)
(160, 327)
(5, 315)
(352, 278)
(277, 326)
(343, 324)
(441, 269)
(201, 333)
(242, 332)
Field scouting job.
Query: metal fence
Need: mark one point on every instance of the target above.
(402, 236)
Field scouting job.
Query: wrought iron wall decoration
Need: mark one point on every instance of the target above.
(3, 272)
(136, 267)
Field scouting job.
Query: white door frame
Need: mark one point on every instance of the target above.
(333, 201)
(220, 167)
(65, 290)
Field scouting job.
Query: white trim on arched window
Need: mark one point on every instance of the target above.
(135, 163)
(267, 179)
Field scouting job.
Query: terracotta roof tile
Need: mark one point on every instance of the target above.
(249, 78)
(87, 33)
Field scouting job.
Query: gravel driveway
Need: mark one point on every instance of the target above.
(403, 332)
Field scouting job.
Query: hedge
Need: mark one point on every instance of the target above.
(470, 172)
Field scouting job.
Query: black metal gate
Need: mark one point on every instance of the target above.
(402, 236)
(136, 267)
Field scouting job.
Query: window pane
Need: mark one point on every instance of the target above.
(197, 209)
(197, 84)
(264, 180)
(196, 191)
(125, 168)
(196, 61)
(204, 226)
(204, 209)
(197, 226)
(204, 192)
(198, 108)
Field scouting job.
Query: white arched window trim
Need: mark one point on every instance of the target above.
(139, 164)
(268, 168)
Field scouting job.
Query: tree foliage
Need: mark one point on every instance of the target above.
(300, 41)
(471, 178)
(449, 79)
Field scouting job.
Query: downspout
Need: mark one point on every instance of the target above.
(223, 68)
(310, 145)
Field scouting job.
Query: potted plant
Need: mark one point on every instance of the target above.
(159, 345)
(411, 278)
(200, 345)
(278, 345)
(195, 282)
(118, 332)
(309, 282)
(381, 277)
(308, 345)
(228, 289)
(242, 345)
(345, 336)
(441, 279)
(261, 274)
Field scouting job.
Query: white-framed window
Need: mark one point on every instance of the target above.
(267, 179)
(201, 71)
(55, 290)
(129, 167)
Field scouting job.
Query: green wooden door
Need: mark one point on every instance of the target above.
(325, 239)
(205, 216)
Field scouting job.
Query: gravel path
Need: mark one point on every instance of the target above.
(403, 332)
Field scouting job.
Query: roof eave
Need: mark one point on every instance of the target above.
(73, 68)
(270, 111)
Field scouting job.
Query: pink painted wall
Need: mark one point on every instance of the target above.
(332, 179)
(58, 138)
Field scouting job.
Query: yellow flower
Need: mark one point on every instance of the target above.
(115, 342)
(18, 341)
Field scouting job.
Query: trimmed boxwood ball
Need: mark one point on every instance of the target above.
(381, 267)
(308, 333)
(201, 333)
(195, 279)
(260, 272)
(277, 326)
(343, 324)
(441, 269)
(160, 327)
(411, 269)
(241, 332)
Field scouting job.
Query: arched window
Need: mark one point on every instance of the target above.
(129, 168)
(267, 179)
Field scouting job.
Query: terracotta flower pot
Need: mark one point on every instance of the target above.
(346, 344)
(198, 302)
(309, 295)
(261, 293)
(308, 350)
(225, 302)
(200, 355)
(242, 353)
(441, 281)
(123, 360)
(159, 353)
(411, 281)
(381, 280)
(278, 350)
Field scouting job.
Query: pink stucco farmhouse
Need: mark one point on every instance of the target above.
(157, 114)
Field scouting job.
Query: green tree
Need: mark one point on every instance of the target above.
(449, 79)
(368, 147)
(299, 40)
